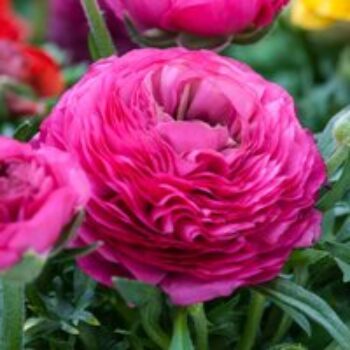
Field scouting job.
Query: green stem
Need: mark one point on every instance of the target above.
(283, 328)
(13, 315)
(101, 37)
(251, 328)
(40, 20)
(337, 159)
(301, 277)
(181, 339)
(150, 322)
(200, 321)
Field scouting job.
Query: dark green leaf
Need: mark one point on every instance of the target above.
(134, 292)
(296, 316)
(339, 188)
(308, 303)
(25, 131)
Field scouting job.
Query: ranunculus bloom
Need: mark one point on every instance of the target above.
(203, 179)
(68, 27)
(11, 26)
(40, 191)
(200, 17)
(320, 14)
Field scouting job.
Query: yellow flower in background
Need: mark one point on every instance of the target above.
(319, 14)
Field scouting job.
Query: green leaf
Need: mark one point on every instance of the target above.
(308, 303)
(75, 253)
(341, 255)
(68, 233)
(343, 234)
(325, 140)
(288, 347)
(27, 270)
(135, 292)
(306, 257)
(12, 315)
(36, 328)
(73, 73)
(296, 316)
(100, 35)
(345, 268)
(66, 327)
(181, 339)
(339, 188)
(338, 250)
(25, 131)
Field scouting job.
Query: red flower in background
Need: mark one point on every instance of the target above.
(23, 63)
(11, 26)
(32, 66)
(42, 72)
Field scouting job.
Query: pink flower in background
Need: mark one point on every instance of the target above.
(203, 179)
(40, 191)
(200, 17)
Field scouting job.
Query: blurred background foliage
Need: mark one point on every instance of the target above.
(313, 67)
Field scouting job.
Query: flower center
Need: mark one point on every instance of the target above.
(22, 184)
(196, 113)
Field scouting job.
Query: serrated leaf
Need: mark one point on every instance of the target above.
(308, 303)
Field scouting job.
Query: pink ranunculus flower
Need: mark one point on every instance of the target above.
(204, 18)
(40, 191)
(203, 179)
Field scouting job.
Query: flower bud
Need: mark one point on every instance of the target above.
(208, 24)
(341, 129)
